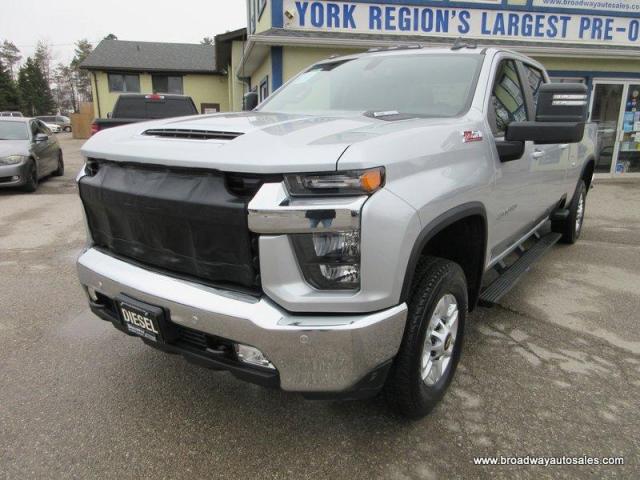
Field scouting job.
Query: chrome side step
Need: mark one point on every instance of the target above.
(510, 275)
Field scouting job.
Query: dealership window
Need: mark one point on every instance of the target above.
(167, 84)
(120, 82)
(508, 97)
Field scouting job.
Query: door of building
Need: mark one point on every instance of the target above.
(615, 107)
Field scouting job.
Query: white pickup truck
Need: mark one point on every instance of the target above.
(332, 240)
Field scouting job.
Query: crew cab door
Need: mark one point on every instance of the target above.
(549, 162)
(514, 204)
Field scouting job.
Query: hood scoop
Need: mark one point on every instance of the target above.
(191, 134)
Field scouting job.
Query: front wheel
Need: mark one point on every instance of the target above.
(60, 170)
(432, 342)
(31, 182)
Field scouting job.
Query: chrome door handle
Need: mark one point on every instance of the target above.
(564, 146)
(537, 154)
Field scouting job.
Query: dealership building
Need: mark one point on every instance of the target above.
(588, 41)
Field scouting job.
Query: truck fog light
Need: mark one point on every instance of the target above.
(346, 274)
(252, 356)
(329, 261)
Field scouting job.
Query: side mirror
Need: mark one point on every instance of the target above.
(560, 116)
(249, 101)
(42, 137)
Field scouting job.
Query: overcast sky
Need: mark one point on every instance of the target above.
(62, 22)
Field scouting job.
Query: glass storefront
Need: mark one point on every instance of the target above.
(615, 107)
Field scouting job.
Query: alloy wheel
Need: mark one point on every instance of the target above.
(440, 340)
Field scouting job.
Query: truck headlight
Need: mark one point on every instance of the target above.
(352, 182)
(329, 261)
(12, 159)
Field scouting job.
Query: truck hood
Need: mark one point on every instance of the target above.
(249, 142)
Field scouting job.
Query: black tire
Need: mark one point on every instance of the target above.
(31, 185)
(67, 129)
(405, 390)
(60, 170)
(571, 228)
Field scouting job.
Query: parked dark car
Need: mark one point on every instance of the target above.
(28, 152)
(133, 107)
(63, 122)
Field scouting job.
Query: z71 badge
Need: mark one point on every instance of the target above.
(471, 136)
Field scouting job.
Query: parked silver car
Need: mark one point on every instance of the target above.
(28, 152)
(11, 114)
(60, 120)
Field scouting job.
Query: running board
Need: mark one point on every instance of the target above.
(510, 276)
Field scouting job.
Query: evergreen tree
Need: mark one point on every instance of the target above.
(34, 90)
(9, 97)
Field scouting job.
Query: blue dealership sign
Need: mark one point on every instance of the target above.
(540, 21)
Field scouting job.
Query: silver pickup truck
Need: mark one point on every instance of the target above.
(332, 240)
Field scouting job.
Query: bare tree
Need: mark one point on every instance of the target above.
(207, 41)
(10, 56)
(83, 81)
(64, 89)
(42, 57)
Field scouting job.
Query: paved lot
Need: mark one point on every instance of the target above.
(553, 371)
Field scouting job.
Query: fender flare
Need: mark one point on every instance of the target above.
(432, 229)
(589, 161)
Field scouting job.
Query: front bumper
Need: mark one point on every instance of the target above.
(313, 353)
(13, 175)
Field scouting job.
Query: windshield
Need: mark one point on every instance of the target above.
(418, 85)
(13, 131)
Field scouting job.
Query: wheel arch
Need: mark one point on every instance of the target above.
(473, 213)
(587, 171)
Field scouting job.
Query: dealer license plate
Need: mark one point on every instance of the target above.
(140, 320)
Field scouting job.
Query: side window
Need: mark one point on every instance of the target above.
(535, 80)
(42, 128)
(507, 98)
(33, 125)
(264, 89)
(124, 83)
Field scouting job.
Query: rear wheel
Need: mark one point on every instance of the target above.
(60, 170)
(67, 129)
(31, 183)
(571, 227)
(432, 343)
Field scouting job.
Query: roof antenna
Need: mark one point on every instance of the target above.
(461, 43)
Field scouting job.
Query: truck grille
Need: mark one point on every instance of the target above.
(186, 222)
